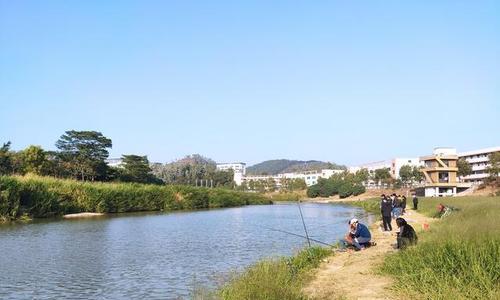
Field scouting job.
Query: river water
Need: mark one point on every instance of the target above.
(154, 255)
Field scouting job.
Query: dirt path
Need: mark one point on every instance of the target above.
(337, 277)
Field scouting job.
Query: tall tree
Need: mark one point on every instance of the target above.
(362, 175)
(5, 159)
(34, 160)
(85, 152)
(136, 169)
(494, 167)
(464, 168)
(383, 175)
(418, 175)
(406, 174)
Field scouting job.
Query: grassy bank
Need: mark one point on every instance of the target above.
(285, 196)
(371, 205)
(46, 197)
(459, 258)
(280, 278)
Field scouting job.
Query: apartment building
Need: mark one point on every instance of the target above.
(239, 170)
(479, 161)
(310, 177)
(394, 165)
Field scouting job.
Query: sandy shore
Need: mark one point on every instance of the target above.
(82, 215)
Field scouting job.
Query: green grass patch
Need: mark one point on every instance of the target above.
(285, 197)
(371, 205)
(458, 258)
(281, 278)
(38, 197)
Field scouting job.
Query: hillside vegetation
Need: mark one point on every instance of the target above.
(276, 166)
(39, 197)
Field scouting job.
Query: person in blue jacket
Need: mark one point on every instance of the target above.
(359, 234)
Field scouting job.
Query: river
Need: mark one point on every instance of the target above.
(154, 255)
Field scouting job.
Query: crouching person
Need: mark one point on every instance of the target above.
(359, 236)
(406, 235)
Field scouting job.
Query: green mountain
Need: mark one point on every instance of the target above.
(276, 166)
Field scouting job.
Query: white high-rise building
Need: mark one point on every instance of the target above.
(394, 165)
(239, 170)
(479, 161)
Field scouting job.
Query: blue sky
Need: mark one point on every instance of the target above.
(342, 81)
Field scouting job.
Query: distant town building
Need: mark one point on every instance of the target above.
(394, 165)
(239, 170)
(310, 177)
(440, 170)
(479, 161)
(114, 162)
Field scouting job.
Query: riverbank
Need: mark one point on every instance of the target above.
(280, 278)
(40, 197)
(336, 276)
(458, 258)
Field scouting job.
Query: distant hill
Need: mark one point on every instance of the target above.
(276, 166)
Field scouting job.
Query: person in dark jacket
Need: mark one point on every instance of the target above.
(403, 204)
(415, 202)
(385, 210)
(407, 235)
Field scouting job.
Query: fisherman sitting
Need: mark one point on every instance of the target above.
(359, 236)
(406, 235)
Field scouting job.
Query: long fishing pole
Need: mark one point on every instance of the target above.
(298, 235)
(304, 224)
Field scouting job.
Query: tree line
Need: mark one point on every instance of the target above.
(343, 184)
(81, 155)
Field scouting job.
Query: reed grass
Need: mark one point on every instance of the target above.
(38, 197)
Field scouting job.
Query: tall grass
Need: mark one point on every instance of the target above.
(271, 279)
(459, 258)
(45, 197)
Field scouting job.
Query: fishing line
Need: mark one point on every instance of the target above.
(298, 235)
(304, 224)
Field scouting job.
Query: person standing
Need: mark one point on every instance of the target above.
(386, 209)
(415, 202)
(396, 206)
(403, 204)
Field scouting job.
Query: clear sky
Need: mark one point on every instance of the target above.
(347, 81)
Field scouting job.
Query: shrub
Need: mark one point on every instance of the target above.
(313, 191)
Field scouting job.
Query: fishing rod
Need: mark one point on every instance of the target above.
(304, 224)
(298, 235)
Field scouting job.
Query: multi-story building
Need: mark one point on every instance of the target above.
(479, 161)
(239, 170)
(394, 165)
(310, 177)
(114, 162)
(440, 171)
